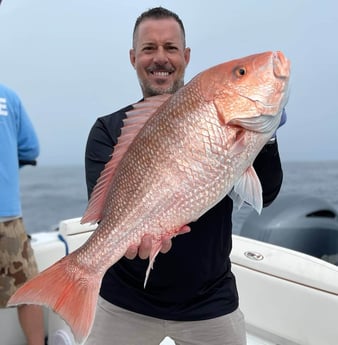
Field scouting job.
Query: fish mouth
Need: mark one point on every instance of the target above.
(281, 65)
(281, 70)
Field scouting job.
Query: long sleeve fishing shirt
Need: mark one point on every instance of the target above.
(193, 281)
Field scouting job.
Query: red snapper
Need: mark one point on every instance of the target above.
(178, 156)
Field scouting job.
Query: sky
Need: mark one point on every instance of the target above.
(69, 62)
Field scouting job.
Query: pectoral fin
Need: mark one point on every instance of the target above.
(248, 189)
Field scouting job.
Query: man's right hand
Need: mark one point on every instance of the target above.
(144, 249)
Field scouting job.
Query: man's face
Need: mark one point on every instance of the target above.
(159, 56)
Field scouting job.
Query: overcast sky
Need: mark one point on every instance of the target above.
(69, 62)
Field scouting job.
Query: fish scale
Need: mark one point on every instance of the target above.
(178, 155)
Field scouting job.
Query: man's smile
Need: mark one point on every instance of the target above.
(161, 73)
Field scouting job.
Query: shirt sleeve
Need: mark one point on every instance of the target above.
(101, 141)
(269, 170)
(28, 143)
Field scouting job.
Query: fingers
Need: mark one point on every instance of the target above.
(166, 245)
(131, 252)
(185, 229)
(166, 241)
(144, 249)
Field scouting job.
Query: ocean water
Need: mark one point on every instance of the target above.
(50, 194)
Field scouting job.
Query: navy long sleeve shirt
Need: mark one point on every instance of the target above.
(193, 281)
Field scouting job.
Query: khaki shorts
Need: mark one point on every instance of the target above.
(17, 261)
(114, 325)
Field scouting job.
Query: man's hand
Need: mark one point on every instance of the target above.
(282, 122)
(144, 249)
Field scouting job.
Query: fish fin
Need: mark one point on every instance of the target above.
(67, 291)
(239, 145)
(148, 107)
(248, 189)
(156, 248)
(134, 122)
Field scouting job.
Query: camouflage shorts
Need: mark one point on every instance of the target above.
(17, 261)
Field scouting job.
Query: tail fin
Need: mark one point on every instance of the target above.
(68, 291)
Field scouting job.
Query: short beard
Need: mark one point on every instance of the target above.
(149, 90)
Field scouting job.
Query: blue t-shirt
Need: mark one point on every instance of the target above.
(18, 141)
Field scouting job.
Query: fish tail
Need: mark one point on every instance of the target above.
(69, 292)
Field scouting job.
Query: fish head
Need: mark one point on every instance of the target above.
(250, 92)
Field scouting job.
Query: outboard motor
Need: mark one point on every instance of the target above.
(300, 222)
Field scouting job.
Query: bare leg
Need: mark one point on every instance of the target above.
(31, 321)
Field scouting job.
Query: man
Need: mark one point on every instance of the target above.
(191, 296)
(18, 146)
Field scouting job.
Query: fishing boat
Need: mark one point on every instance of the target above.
(285, 262)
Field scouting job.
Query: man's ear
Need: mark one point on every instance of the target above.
(187, 55)
(132, 57)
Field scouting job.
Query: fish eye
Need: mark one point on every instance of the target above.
(240, 71)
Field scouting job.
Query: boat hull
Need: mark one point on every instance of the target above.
(287, 297)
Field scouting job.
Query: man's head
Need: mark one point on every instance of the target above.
(159, 53)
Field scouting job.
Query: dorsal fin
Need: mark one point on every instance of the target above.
(136, 118)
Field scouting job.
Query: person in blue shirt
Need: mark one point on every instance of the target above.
(19, 146)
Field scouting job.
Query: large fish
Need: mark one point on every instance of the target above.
(178, 156)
